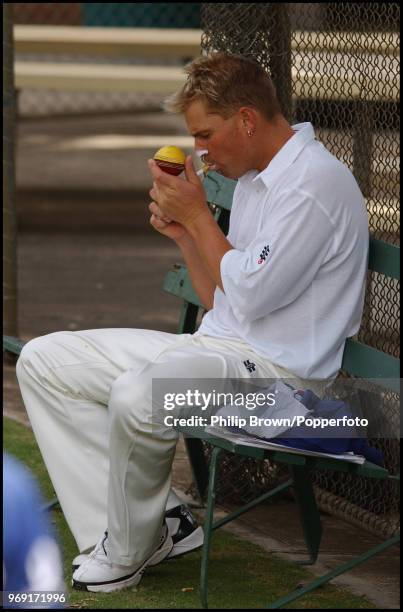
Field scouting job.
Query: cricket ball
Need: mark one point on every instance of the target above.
(170, 159)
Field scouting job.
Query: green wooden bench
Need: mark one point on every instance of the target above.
(359, 360)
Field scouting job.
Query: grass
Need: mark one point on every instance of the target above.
(242, 576)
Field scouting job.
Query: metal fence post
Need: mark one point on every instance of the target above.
(9, 213)
(280, 55)
(362, 146)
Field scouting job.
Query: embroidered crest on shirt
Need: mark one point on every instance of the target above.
(263, 254)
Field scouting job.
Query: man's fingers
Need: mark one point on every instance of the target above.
(160, 223)
(191, 172)
(161, 177)
(157, 173)
(155, 210)
(157, 222)
(153, 193)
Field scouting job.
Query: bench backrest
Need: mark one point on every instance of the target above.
(359, 359)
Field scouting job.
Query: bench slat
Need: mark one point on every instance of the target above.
(384, 258)
(12, 344)
(370, 363)
(289, 458)
(219, 190)
(177, 282)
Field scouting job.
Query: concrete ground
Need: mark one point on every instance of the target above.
(88, 259)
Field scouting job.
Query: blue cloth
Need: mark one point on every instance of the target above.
(26, 525)
(347, 440)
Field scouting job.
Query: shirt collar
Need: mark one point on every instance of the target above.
(304, 134)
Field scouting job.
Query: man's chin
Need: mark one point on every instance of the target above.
(226, 174)
(232, 176)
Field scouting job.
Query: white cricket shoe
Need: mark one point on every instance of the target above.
(186, 534)
(98, 574)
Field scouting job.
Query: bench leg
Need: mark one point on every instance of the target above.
(198, 463)
(336, 572)
(208, 526)
(308, 512)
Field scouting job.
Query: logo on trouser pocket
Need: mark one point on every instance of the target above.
(249, 365)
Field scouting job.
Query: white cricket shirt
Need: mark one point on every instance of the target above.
(294, 281)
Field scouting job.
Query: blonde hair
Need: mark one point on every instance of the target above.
(225, 82)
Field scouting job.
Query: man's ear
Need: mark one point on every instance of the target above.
(248, 117)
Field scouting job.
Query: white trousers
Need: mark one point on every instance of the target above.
(88, 398)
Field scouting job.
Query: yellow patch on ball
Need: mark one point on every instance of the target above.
(170, 159)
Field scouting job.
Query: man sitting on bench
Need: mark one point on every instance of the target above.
(283, 290)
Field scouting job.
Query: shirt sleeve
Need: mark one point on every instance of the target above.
(283, 259)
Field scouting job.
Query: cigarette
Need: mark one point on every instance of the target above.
(203, 171)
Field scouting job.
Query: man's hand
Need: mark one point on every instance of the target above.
(185, 203)
(166, 226)
(179, 200)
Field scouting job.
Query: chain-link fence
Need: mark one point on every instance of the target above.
(45, 102)
(337, 66)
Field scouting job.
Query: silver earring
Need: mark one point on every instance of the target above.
(250, 133)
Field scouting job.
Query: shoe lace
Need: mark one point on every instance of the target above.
(100, 553)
